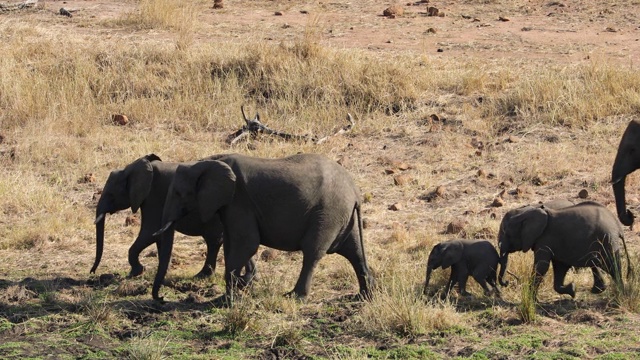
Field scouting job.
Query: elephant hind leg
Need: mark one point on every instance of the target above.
(598, 282)
(559, 272)
(352, 250)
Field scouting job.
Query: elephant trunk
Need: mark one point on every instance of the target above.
(626, 217)
(100, 218)
(504, 259)
(165, 245)
(426, 282)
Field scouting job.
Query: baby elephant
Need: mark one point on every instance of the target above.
(477, 258)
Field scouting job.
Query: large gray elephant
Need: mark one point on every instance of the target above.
(304, 202)
(582, 235)
(627, 161)
(477, 258)
(143, 185)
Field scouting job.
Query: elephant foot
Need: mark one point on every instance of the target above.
(205, 273)
(465, 294)
(568, 289)
(598, 289)
(293, 295)
(135, 271)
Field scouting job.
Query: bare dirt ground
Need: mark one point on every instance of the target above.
(456, 154)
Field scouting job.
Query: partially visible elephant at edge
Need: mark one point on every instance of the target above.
(582, 235)
(303, 202)
(627, 161)
(476, 258)
(143, 185)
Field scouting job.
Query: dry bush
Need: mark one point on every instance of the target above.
(147, 348)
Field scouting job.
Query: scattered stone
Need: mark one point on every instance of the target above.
(430, 31)
(131, 220)
(506, 184)
(441, 191)
(365, 223)
(304, 12)
(477, 143)
(393, 10)
(402, 179)
(610, 29)
(119, 119)
(481, 173)
(396, 207)
(502, 18)
(498, 202)
(583, 194)
(344, 161)
(218, 4)
(526, 28)
(440, 50)
(455, 227)
(538, 180)
(278, 13)
(389, 171)
(1, 138)
(87, 179)
(513, 139)
(433, 11)
(268, 255)
(65, 12)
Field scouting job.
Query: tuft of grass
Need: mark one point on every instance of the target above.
(527, 305)
(147, 349)
(627, 296)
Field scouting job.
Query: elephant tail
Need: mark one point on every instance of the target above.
(626, 252)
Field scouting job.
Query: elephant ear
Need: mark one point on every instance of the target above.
(139, 176)
(451, 254)
(215, 187)
(529, 226)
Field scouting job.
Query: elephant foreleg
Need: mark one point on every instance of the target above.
(142, 242)
(453, 279)
(463, 275)
(559, 272)
(541, 264)
(213, 247)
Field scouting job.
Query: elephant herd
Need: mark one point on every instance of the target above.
(309, 203)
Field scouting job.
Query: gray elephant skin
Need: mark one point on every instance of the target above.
(304, 202)
(476, 258)
(582, 235)
(552, 204)
(627, 161)
(143, 185)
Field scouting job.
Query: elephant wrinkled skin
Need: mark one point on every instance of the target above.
(304, 202)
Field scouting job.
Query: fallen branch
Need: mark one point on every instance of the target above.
(253, 127)
(19, 6)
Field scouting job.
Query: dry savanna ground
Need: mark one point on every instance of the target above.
(459, 118)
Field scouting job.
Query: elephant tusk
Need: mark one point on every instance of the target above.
(99, 218)
(164, 228)
(616, 180)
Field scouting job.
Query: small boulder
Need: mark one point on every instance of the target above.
(268, 255)
(402, 179)
(396, 207)
(583, 194)
(119, 119)
(218, 4)
(393, 11)
(455, 227)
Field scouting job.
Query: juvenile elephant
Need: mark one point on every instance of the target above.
(582, 235)
(627, 161)
(477, 258)
(303, 202)
(143, 185)
(553, 204)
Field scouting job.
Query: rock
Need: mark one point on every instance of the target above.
(481, 173)
(433, 11)
(402, 179)
(1, 138)
(538, 180)
(119, 119)
(502, 18)
(65, 12)
(87, 179)
(365, 223)
(194, 298)
(389, 171)
(344, 161)
(131, 220)
(396, 207)
(278, 13)
(440, 191)
(455, 227)
(512, 139)
(218, 4)
(393, 10)
(268, 255)
(431, 31)
(583, 194)
(498, 202)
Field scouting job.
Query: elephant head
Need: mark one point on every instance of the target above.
(627, 160)
(519, 231)
(126, 188)
(443, 255)
(205, 186)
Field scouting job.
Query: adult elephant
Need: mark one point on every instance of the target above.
(143, 185)
(304, 202)
(627, 161)
(583, 235)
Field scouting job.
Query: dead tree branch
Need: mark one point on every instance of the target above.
(253, 127)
